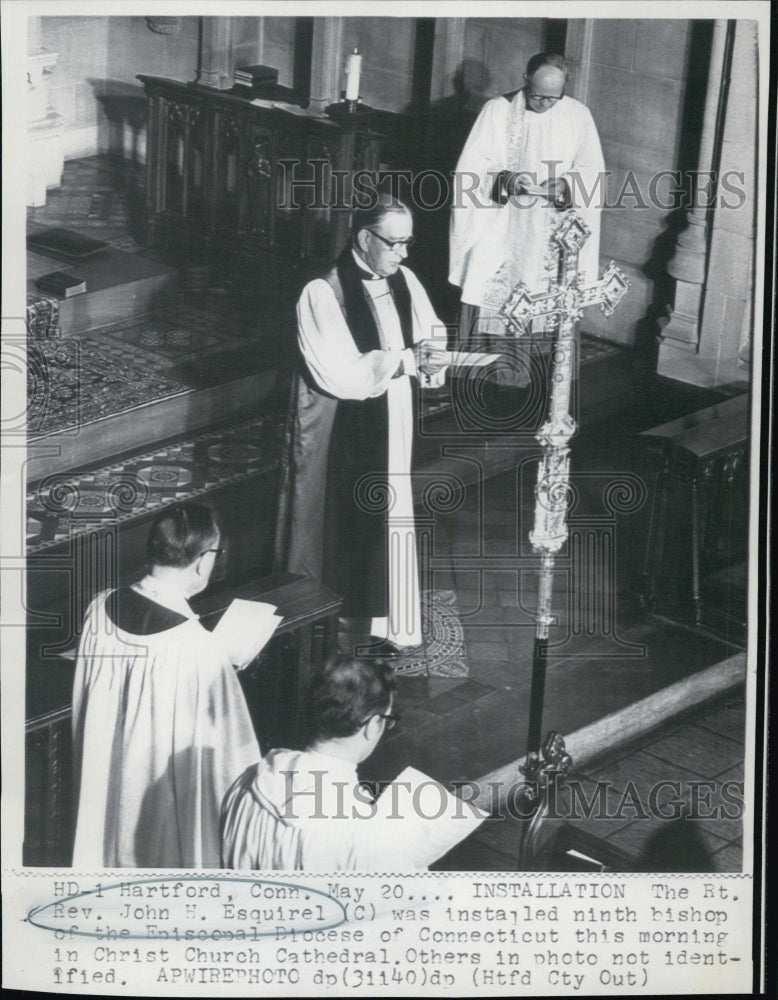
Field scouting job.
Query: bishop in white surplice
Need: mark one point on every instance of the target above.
(340, 369)
(346, 510)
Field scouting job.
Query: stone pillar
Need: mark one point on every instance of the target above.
(326, 62)
(45, 157)
(217, 60)
(447, 56)
(727, 318)
(578, 55)
(713, 260)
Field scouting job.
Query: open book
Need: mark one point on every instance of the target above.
(454, 359)
(537, 191)
(245, 628)
(432, 819)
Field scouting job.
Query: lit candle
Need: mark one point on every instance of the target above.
(353, 68)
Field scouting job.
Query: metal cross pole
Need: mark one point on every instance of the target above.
(562, 303)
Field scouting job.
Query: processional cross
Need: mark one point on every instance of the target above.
(562, 303)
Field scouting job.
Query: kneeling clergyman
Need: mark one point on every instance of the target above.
(306, 810)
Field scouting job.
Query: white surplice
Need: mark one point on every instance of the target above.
(493, 247)
(338, 368)
(160, 731)
(304, 811)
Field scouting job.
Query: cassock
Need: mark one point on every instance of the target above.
(346, 508)
(160, 732)
(495, 246)
(306, 811)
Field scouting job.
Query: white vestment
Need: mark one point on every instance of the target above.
(338, 368)
(160, 731)
(492, 246)
(306, 811)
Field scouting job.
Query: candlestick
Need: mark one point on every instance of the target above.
(353, 69)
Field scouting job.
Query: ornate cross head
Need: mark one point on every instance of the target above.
(565, 297)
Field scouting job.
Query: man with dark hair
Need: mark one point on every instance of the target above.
(344, 694)
(160, 724)
(346, 510)
(306, 809)
(530, 154)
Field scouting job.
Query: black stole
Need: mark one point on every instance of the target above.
(355, 556)
(134, 613)
(359, 315)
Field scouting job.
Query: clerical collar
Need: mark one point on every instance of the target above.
(365, 271)
(332, 763)
(165, 594)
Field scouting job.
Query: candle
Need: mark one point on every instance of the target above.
(353, 67)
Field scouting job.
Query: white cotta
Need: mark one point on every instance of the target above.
(493, 247)
(339, 368)
(305, 811)
(160, 731)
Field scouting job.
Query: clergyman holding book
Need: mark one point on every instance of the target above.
(160, 724)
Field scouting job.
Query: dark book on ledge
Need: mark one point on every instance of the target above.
(254, 75)
(62, 284)
(64, 243)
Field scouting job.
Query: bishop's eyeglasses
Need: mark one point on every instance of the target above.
(394, 244)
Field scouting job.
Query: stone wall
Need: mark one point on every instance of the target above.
(636, 91)
(496, 51)
(93, 86)
(387, 47)
(727, 316)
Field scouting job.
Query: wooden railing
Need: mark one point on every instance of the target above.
(48, 834)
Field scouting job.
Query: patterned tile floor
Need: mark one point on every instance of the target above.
(131, 362)
(132, 487)
(76, 381)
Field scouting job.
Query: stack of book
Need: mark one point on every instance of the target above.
(61, 284)
(255, 76)
(261, 83)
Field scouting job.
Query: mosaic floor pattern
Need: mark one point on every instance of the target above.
(179, 332)
(76, 381)
(64, 506)
(444, 653)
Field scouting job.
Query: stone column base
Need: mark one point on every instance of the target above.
(686, 365)
(45, 157)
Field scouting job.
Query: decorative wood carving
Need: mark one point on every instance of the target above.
(218, 172)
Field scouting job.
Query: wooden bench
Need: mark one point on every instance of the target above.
(700, 458)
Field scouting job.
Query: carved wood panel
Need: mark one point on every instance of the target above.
(243, 181)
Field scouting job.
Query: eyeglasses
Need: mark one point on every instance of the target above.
(391, 720)
(394, 244)
(543, 98)
(219, 552)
